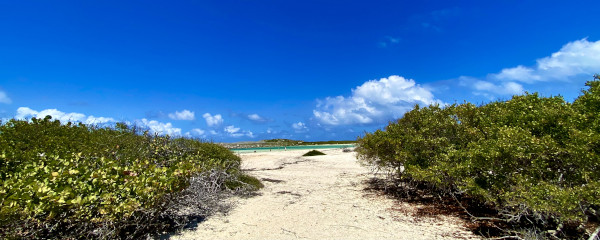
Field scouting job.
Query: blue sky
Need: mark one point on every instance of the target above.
(309, 70)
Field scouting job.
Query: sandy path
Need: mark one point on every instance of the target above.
(319, 197)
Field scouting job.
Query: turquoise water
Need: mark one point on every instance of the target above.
(304, 147)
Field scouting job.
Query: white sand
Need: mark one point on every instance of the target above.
(320, 197)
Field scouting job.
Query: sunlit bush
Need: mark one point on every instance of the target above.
(541, 153)
(55, 175)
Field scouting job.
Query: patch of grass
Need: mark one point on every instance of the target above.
(313, 153)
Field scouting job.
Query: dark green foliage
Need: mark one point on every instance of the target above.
(313, 153)
(82, 177)
(588, 105)
(244, 181)
(541, 153)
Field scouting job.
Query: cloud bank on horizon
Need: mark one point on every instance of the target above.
(28, 113)
(183, 115)
(372, 103)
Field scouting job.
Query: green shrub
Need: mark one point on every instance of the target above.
(313, 153)
(244, 181)
(541, 153)
(55, 174)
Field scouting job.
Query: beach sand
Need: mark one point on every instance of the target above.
(320, 197)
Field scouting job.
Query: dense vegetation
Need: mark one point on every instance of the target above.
(313, 153)
(536, 160)
(77, 181)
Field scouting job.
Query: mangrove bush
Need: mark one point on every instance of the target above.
(77, 181)
(530, 154)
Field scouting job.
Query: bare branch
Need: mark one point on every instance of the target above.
(594, 235)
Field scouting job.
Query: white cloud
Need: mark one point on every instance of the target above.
(575, 60)
(236, 132)
(160, 127)
(153, 125)
(231, 129)
(375, 101)
(98, 120)
(519, 73)
(26, 113)
(299, 127)
(196, 132)
(213, 121)
(62, 116)
(4, 98)
(503, 88)
(183, 115)
(580, 57)
(256, 118)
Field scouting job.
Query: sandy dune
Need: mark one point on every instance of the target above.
(320, 197)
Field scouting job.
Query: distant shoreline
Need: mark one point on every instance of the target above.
(276, 143)
(291, 148)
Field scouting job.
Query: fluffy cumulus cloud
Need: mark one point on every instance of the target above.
(580, 57)
(26, 113)
(231, 129)
(4, 98)
(159, 127)
(183, 115)
(213, 121)
(152, 125)
(375, 101)
(299, 127)
(237, 132)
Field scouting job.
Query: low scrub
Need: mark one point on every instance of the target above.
(534, 159)
(313, 153)
(77, 181)
(244, 181)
